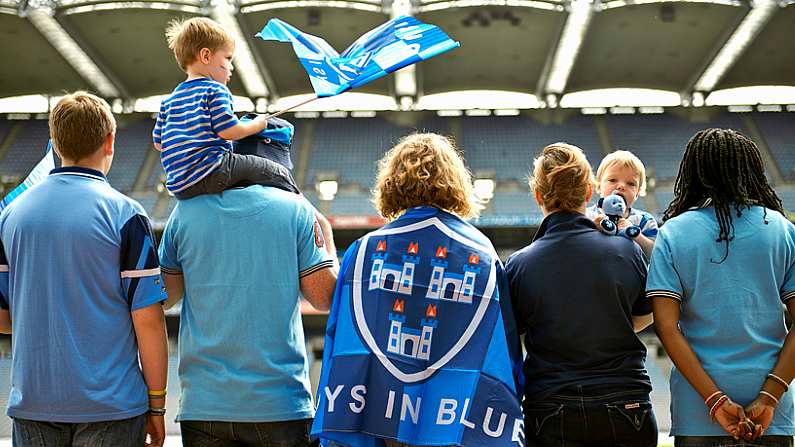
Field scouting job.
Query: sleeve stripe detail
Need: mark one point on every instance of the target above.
(170, 271)
(323, 265)
(663, 294)
(140, 273)
(4, 268)
(785, 297)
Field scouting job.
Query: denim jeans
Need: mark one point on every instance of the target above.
(248, 434)
(595, 416)
(124, 433)
(728, 441)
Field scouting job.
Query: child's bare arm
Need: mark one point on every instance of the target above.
(244, 129)
(646, 244)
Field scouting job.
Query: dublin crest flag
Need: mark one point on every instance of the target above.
(395, 44)
(421, 345)
(39, 173)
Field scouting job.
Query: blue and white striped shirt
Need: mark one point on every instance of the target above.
(187, 130)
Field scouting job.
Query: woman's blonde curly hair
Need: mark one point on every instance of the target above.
(424, 169)
(562, 176)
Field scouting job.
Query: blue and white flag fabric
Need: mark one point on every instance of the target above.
(39, 173)
(421, 345)
(395, 44)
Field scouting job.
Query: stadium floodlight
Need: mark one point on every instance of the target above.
(506, 112)
(580, 14)
(311, 4)
(621, 3)
(363, 114)
(478, 112)
(593, 111)
(622, 110)
(80, 9)
(484, 189)
(746, 32)
(449, 113)
(651, 110)
(327, 189)
(758, 94)
(71, 51)
(740, 109)
(437, 6)
(769, 108)
(252, 79)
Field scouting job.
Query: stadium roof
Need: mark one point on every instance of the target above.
(546, 48)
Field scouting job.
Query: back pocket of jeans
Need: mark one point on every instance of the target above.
(633, 423)
(538, 417)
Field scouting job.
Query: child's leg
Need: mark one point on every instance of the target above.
(241, 170)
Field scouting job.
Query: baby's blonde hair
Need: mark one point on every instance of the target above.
(424, 169)
(562, 177)
(186, 37)
(624, 159)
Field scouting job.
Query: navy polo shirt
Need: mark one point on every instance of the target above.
(574, 291)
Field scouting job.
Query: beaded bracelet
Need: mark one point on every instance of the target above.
(770, 395)
(781, 381)
(721, 400)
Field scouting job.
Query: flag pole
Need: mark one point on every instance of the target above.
(291, 108)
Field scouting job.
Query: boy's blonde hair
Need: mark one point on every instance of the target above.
(186, 37)
(79, 125)
(562, 176)
(624, 159)
(424, 169)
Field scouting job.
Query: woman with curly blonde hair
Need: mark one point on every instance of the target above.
(421, 315)
(579, 299)
(424, 169)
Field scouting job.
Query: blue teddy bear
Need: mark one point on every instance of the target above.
(614, 207)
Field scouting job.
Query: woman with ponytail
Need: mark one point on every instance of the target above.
(579, 299)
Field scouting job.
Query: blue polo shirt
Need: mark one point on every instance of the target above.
(731, 309)
(77, 258)
(242, 354)
(575, 291)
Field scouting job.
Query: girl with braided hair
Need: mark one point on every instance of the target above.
(722, 269)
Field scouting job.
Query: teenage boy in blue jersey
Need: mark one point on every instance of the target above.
(196, 122)
(80, 293)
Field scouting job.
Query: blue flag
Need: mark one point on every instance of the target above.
(395, 44)
(39, 173)
(421, 345)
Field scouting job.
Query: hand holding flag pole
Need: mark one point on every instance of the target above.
(389, 47)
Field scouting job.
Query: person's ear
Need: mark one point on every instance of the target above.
(204, 55)
(539, 200)
(589, 194)
(107, 145)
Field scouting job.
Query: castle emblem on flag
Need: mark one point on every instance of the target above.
(451, 286)
(392, 277)
(409, 342)
(420, 295)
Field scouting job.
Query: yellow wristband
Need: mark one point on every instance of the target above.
(156, 393)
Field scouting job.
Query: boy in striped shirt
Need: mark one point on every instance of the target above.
(196, 124)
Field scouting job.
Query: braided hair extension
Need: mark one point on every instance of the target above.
(726, 168)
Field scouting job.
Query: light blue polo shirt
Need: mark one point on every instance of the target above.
(77, 258)
(242, 354)
(731, 313)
